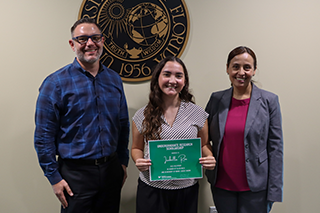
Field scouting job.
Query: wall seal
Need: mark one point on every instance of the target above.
(139, 34)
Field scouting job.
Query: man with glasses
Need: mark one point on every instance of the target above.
(82, 117)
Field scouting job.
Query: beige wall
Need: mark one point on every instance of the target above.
(284, 34)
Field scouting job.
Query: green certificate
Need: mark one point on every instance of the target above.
(175, 159)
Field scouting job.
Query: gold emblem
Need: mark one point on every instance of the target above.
(139, 33)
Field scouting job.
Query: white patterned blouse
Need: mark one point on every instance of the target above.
(189, 121)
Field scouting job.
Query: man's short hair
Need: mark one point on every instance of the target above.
(84, 20)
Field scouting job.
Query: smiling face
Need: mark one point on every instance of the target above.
(90, 52)
(171, 79)
(240, 71)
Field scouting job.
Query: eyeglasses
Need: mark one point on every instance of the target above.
(84, 38)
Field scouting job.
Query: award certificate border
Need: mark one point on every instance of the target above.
(175, 159)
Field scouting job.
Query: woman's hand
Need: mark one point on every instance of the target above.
(208, 162)
(143, 164)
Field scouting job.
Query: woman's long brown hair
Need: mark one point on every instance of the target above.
(154, 109)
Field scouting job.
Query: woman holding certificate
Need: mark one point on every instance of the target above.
(170, 114)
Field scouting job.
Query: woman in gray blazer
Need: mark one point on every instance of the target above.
(246, 135)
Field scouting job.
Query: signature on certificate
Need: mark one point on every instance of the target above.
(181, 158)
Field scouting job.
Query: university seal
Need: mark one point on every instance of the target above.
(138, 34)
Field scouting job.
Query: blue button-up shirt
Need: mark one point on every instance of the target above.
(79, 116)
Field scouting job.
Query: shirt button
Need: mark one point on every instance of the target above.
(247, 146)
(247, 160)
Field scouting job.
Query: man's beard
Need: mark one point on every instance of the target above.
(81, 57)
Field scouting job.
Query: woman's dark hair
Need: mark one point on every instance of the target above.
(240, 50)
(154, 110)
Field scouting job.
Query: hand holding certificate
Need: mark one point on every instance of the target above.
(175, 159)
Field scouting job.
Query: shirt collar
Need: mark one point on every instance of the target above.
(77, 66)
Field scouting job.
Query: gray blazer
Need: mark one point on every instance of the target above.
(263, 140)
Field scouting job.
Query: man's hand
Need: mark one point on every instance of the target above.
(58, 190)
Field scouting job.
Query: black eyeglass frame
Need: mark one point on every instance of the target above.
(76, 38)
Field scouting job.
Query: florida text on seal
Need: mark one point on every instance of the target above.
(138, 34)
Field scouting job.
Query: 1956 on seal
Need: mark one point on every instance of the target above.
(139, 33)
